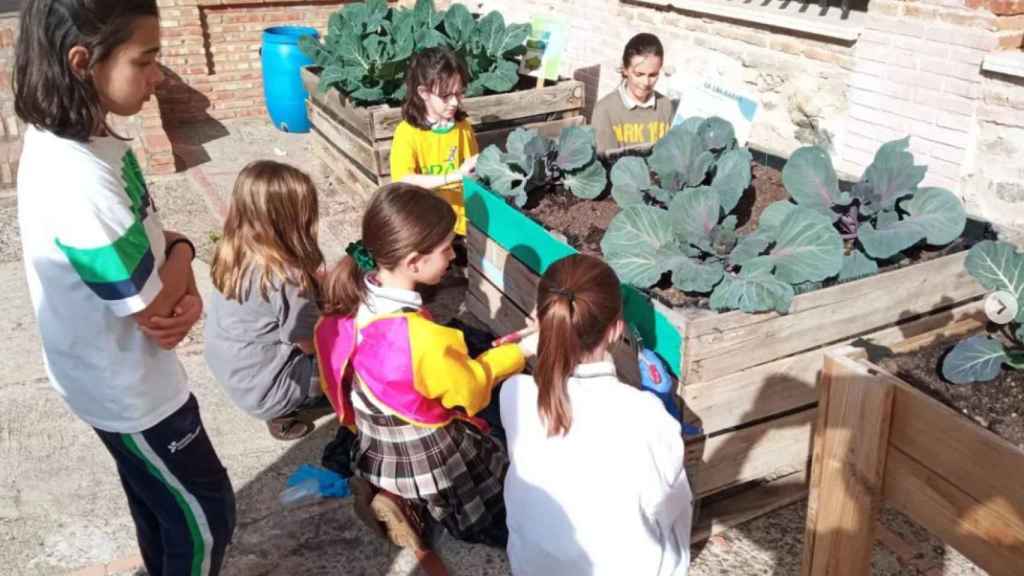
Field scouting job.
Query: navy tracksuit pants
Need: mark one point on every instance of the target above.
(178, 492)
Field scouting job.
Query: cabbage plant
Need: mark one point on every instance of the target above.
(979, 358)
(885, 213)
(531, 161)
(696, 241)
(368, 45)
(696, 153)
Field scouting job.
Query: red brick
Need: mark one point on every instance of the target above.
(1006, 7)
(1010, 39)
(1010, 22)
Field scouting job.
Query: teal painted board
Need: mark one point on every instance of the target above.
(535, 247)
(525, 239)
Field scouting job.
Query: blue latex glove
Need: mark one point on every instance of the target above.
(655, 378)
(329, 483)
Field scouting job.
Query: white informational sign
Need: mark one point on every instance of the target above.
(716, 97)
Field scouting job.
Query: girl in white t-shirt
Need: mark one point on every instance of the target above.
(113, 291)
(596, 483)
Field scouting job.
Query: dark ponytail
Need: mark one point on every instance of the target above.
(578, 301)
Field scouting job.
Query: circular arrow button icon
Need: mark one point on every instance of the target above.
(1001, 307)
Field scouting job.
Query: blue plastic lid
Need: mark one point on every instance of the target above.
(288, 34)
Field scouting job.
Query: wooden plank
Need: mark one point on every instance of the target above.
(720, 344)
(981, 464)
(357, 119)
(503, 315)
(815, 475)
(852, 468)
(382, 150)
(493, 308)
(782, 385)
(754, 452)
(986, 531)
(566, 95)
(345, 176)
(523, 263)
(724, 513)
(516, 281)
(550, 129)
(361, 152)
(754, 393)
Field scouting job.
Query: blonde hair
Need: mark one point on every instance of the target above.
(270, 231)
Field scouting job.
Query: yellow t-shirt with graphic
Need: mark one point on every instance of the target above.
(417, 151)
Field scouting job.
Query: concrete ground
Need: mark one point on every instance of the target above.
(61, 506)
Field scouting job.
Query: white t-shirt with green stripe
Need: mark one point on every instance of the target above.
(93, 247)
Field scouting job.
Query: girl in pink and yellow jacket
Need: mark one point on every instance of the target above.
(408, 384)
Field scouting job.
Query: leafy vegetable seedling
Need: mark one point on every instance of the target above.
(996, 266)
(531, 162)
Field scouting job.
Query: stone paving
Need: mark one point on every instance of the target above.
(61, 507)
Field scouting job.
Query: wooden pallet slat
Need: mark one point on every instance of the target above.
(851, 473)
(719, 344)
(958, 480)
(988, 532)
(376, 123)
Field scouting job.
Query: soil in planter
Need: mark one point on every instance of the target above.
(583, 224)
(997, 405)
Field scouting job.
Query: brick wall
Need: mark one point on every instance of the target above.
(800, 79)
(916, 69)
(211, 48)
(10, 127)
(145, 129)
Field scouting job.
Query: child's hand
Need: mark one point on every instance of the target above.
(170, 331)
(468, 167)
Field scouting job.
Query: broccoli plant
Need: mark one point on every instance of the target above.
(884, 214)
(368, 46)
(696, 241)
(531, 162)
(698, 152)
(996, 266)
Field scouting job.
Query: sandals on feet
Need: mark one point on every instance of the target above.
(289, 427)
(300, 422)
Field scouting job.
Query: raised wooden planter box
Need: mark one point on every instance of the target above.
(355, 142)
(879, 439)
(747, 380)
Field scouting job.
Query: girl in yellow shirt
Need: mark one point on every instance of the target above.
(434, 146)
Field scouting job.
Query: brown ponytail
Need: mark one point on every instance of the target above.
(578, 301)
(344, 288)
(401, 219)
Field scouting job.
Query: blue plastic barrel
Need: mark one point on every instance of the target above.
(282, 82)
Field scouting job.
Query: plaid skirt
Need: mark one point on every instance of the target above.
(456, 471)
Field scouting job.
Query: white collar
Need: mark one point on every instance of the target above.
(599, 369)
(382, 300)
(630, 103)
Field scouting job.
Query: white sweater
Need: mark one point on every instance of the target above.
(611, 496)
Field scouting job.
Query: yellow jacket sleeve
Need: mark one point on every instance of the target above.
(403, 152)
(444, 370)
